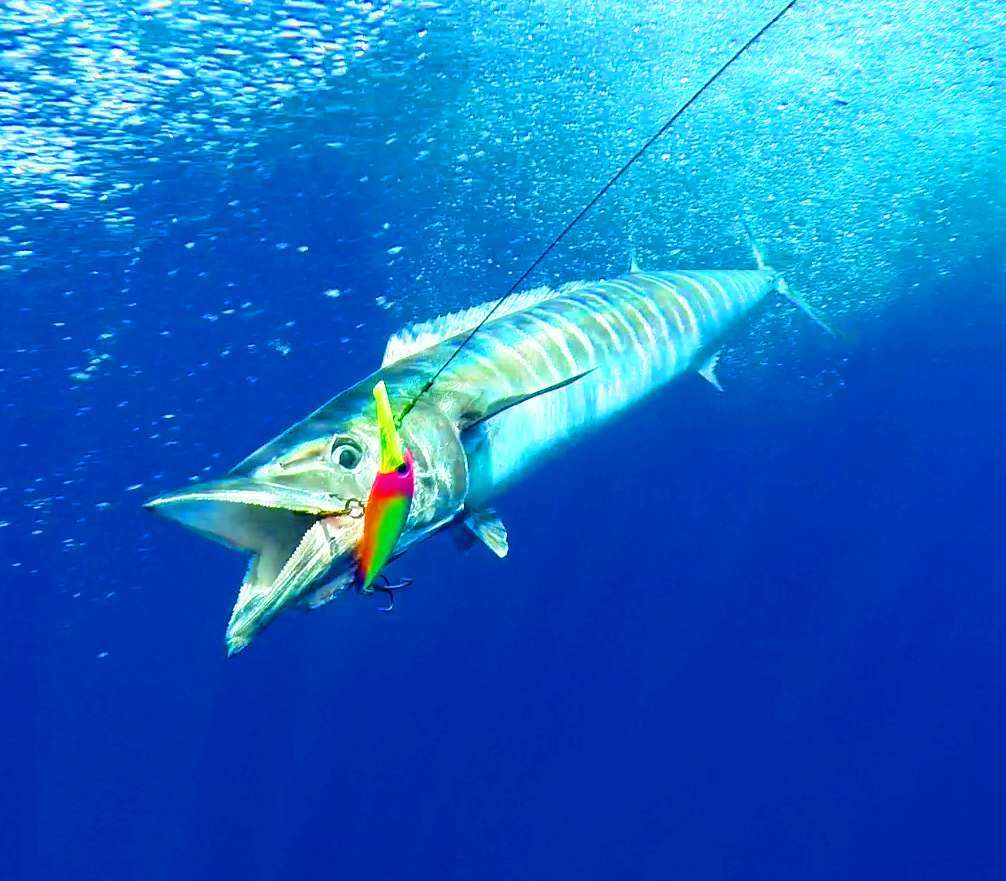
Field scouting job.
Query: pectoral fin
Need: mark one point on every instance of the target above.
(489, 529)
(503, 404)
(708, 370)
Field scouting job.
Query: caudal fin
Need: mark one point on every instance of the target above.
(813, 314)
(783, 287)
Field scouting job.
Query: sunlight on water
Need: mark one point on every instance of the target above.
(854, 140)
(851, 138)
(95, 94)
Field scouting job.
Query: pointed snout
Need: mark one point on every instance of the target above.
(294, 538)
(241, 512)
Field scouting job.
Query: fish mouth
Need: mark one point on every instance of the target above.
(296, 538)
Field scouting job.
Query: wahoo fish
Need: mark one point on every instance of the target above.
(549, 366)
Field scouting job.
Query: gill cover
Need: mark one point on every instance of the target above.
(390, 496)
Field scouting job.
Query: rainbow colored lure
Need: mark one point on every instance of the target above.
(390, 496)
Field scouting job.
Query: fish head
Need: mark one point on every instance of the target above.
(297, 506)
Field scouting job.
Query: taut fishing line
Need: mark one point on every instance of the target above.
(659, 133)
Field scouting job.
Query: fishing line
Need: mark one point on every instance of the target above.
(659, 133)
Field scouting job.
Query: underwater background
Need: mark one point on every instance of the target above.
(757, 634)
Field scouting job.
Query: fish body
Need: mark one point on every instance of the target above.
(626, 337)
(549, 366)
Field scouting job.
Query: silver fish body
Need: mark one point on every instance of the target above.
(294, 504)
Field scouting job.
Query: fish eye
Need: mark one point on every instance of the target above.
(403, 468)
(346, 453)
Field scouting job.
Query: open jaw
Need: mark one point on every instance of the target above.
(296, 539)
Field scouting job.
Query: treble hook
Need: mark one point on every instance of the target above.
(389, 590)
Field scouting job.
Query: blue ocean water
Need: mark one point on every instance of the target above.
(756, 634)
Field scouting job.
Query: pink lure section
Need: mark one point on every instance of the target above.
(384, 518)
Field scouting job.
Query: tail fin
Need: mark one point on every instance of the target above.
(783, 288)
(813, 314)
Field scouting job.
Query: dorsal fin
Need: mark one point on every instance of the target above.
(418, 337)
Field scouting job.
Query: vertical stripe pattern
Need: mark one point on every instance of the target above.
(634, 333)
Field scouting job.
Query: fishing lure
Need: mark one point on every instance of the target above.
(390, 498)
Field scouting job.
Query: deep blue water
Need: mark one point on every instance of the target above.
(749, 635)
